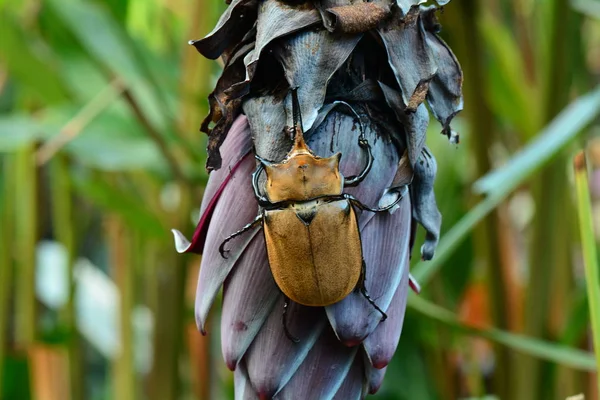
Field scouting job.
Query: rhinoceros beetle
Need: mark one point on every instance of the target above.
(310, 225)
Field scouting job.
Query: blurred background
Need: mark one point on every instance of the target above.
(100, 154)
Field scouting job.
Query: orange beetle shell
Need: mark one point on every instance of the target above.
(315, 253)
(313, 243)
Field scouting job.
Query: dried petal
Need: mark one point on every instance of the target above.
(323, 371)
(409, 56)
(232, 26)
(309, 60)
(273, 358)
(445, 90)
(406, 5)
(385, 250)
(275, 20)
(381, 345)
(224, 109)
(425, 209)
(267, 118)
(214, 268)
(415, 123)
(248, 297)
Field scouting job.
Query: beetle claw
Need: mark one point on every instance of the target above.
(224, 253)
(286, 305)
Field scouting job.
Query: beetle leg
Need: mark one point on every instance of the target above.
(363, 291)
(365, 207)
(286, 305)
(364, 144)
(262, 200)
(246, 228)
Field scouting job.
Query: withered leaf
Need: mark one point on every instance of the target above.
(414, 123)
(445, 90)
(223, 109)
(231, 28)
(310, 59)
(409, 55)
(425, 210)
(267, 117)
(275, 20)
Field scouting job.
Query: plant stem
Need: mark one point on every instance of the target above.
(123, 273)
(26, 212)
(486, 239)
(549, 251)
(590, 255)
(6, 265)
(64, 230)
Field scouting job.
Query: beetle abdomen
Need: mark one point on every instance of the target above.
(314, 251)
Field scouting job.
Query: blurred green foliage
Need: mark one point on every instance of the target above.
(100, 103)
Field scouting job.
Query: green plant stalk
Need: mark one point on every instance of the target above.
(590, 255)
(120, 242)
(26, 217)
(64, 230)
(487, 237)
(170, 314)
(195, 86)
(164, 378)
(549, 251)
(535, 347)
(6, 267)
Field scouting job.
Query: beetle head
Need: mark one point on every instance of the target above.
(302, 175)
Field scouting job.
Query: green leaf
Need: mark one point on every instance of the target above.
(26, 64)
(511, 95)
(588, 247)
(111, 142)
(108, 43)
(549, 351)
(112, 199)
(588, 7)
(17, 131)
(549, 142)
(499, 183)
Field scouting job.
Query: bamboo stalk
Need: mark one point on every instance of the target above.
(590, 254)
(549, 251)
(26, 234)
(119, 240)
(64, 227)
(168, 336)
(195, 69)
(6, 264)
(486, 236)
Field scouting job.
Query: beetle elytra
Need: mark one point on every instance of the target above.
(310, 226)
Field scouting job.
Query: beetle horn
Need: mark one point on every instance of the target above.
(297, 114)
(299, 143)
